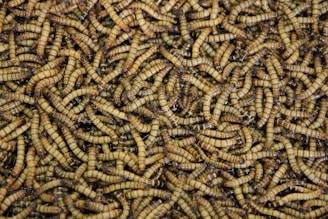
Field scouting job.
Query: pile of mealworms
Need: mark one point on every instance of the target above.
(163, 109)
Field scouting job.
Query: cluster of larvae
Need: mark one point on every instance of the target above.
(163, 109)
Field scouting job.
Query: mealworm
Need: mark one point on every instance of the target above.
(149, 192)
(302, 130)
(68, 22)
(321, 77)
(218, 106)
(150, 11)
(25, 212)
(195, 81)
(162, 209)
(309, 172)
(116, 18)
(125, 157)
(237, 9)
(170, 57)
(251, 20)
(44, 38)
(132, 52)
(124, 185)
(194, 25)
(139, 60)
(17, 132)
(233, 29)
(314, 202)
(3, 11)
(109, 108)
(54, 151)
(31, 166)
(96, 206)
(269, 211)
(141, 149)
(8, 201)
(55, 136)
(267, 108)
(147, 210)
(49, 209)
(226, 55)
(41, 85)
(178, 151)
(294, 21)
(16, 185)
(300, 196)
(106, 129)
(94, 174)
(164, 105)
(201, 38)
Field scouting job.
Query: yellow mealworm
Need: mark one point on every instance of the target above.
(44, 38)
(302, 130)
(116, 18)
(194, 25)
(125, 185)
(68, 22)
(294, 21)
(267, 108)
(132, 52)
(149, 192)
(269, 211)
(300, 196)
(118, 155)
(321, 77)
(95, 206)
(314, 202)
(141, 149)
(237, 9)
(94, 174)
(201, 38)
(31, 166)
(54, 151)
(251, 20)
